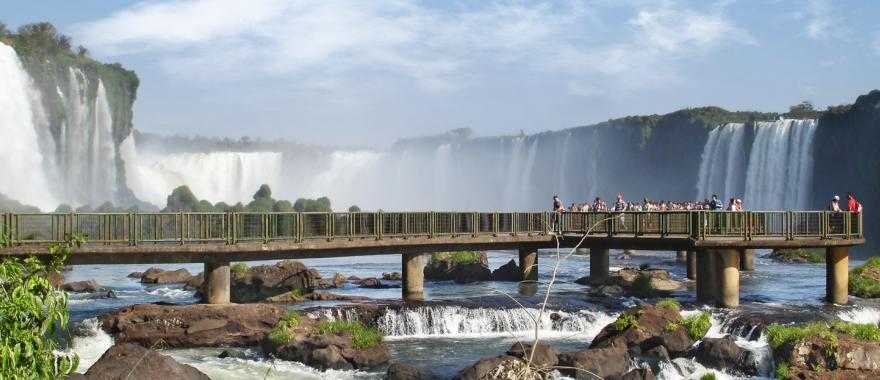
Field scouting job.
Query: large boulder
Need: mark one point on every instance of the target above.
(160, 276)
(401, 371)
(192, 325)
(374, 283)
(458, 267)
(723, 353)
(507, 272)
(133, 362)
(645, 327)
(504, 367)
(392, 276)
(645, 282)
(89, 286)
(607, 362)
(264, 281)
(848, 355)
(544, 357)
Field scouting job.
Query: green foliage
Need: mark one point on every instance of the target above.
(625, 321)
(642, 286)
(802, 110)
(30, 314)
(354, 208)
(182, 199)
(64, 208)
(458, 257)
(239, 268)
(697, 325)
(708, 376)
(669, 303)
(779, 335)
(264, 192)
(860, 331)
(283, 331)
(782, 371)
(865, 285)
(361, 335)
(312, 205)
(814, 256)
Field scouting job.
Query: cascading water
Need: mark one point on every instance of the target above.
(779, 174)
(25, 175)
(721, 162)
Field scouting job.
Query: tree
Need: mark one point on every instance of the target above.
(354, 208)
(43, 37)
(31, 313)
(182, 199)
(803, 110)
(3, 30)
(64, 208)
(263, 193)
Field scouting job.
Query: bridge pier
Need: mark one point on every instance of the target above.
(747, 260)
(413, 276)
(599, 265)
(691, 258)
(216, 282)
(680, 255)
(706, 276)
(728, 262)
(837, 274)
(528, 264)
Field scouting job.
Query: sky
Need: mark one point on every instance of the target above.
(369, 72)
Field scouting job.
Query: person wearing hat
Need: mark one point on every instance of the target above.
(835, 204)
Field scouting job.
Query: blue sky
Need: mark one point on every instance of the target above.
(365, 73)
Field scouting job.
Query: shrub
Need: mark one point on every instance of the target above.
(239, 268)
(809, 255)
(782, 371)
(668, 303)
(283, 331)
(625, 321)
(31, 313)
(361, 335)
(459, 257)
(697, 325)
(860, 331)
(862, 285)
(708, 376)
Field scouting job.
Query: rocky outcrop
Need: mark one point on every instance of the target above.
(507, 272)
(504, 367)
(133, 362)
(606, 362)
(88, 286)
(157, 275)
(400, 371)
(261, 282)
(297, 297)
(192, 325)
(307, 344)
(724, 353)
(446, 267)
(374, 283)
(645, 327)
(392, 276)
(817, 354)
(637, 282)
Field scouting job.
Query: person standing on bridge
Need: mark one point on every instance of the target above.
(835, 204)
(852, 204)
(558, 209)
(716, 203)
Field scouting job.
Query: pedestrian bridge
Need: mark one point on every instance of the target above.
(715, 242)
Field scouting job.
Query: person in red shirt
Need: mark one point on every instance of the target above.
(852, 204)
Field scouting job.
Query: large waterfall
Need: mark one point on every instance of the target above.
(774, 174)
(25, 170)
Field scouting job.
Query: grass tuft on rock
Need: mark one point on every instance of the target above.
(708, 376)
(239, 268)
(864, 280)
(669, 303)
(458, 257)
(361, 335)
(780, 335)
(625, 321)
(782, 371)
(697, 325)
(283, 331)
(795, 255)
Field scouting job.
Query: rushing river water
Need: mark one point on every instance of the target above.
(468, 321)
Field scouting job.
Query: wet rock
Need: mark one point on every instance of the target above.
(354, 279)
(325, 296)
(507, 272)
(611, 361)
(645, 326)
(375, 283)
(445, 267)
(88, 286)
(392, 276)
(195, 282)
(182, 326)
(502, 367)
(137, 275)
(264, 281)
(400, 371)
(723, 353)
(608, 291)
(337, 281)
(814, 353)
(544, 357)
(130, 361)
(639, 374)
(645, 282)
(160, 276)
(102, 294)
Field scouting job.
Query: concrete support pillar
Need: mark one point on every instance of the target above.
(728, 276)
(413, 277)
(747, 260)
(216, 282)
(680, 255)
(707, 283)
(837, 274)
(691, 258)
(528, 264)
(599, 265)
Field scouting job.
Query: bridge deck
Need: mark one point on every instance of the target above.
(199, 237)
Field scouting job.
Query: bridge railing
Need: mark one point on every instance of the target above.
(231, 228)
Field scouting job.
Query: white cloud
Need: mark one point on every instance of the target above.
(338, 42)
(822, 21)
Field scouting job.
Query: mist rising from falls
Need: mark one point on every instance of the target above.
(774, 174)
(25, 171)
(780, 173)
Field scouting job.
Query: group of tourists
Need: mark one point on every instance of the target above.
(852, 204)
(620, 204)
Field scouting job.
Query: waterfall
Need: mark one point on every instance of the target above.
(25, 170)
(229, 177)
(721, 162)
(779, 174)
(563, 163)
